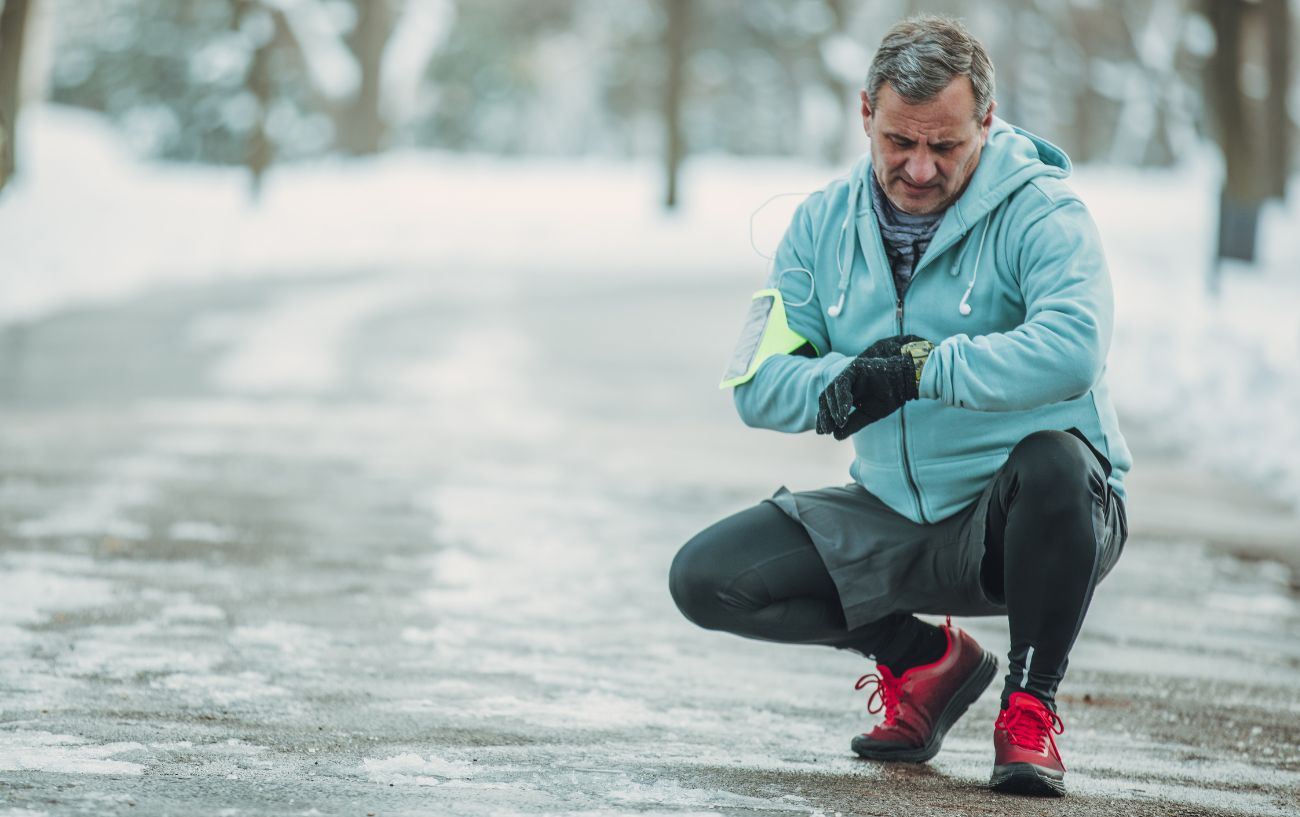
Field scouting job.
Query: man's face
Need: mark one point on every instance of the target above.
(924, 154)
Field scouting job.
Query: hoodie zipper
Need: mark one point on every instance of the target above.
(898, 316)
(902, 420)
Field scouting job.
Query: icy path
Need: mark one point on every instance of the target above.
(384, 544)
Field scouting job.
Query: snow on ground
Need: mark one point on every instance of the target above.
(1215, 377)
(25, 750)
(412, 770)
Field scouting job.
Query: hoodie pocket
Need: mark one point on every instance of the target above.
(950, 484)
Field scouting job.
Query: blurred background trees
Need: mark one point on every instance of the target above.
(255, 82)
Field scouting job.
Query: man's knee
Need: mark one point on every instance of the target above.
(1055, 467)
(717, 578)
(693, 582)
(1061, 483)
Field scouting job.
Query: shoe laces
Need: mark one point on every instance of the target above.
(1031, 727)
(884, 693)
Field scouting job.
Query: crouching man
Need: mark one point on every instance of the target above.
(947, 308)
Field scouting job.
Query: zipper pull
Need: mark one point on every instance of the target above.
(898, 313)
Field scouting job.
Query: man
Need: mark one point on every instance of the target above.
(947, 307)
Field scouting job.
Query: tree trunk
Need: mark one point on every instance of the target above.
(13, 25)
(675, 51)
(1251, 132)
(836, 146)
(259, 152)
(1277, 126)
(362, 126)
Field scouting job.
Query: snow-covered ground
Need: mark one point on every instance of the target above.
(1217, 379)
(361, 520)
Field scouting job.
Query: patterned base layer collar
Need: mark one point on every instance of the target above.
(906, 236)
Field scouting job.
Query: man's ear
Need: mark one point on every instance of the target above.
(866, 112)
(987, 123)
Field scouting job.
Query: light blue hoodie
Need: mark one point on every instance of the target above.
(1020, 250)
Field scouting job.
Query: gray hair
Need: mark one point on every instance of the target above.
(920, 56)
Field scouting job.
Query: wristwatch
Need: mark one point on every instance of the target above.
(918, 350)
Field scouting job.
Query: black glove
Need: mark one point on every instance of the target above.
(872, 387)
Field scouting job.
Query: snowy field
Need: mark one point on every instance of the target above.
(1214, 381)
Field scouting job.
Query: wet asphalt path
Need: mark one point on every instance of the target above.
(382, 544)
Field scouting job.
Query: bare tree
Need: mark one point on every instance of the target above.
(675, 51)
(361, 125)
(354, 105)
(1246, 87)
(253, 17)
(1277, 18)
(13, 25)
(835, 147)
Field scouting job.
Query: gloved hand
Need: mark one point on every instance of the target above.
(873, 386)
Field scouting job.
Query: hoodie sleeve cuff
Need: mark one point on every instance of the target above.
(928, 388)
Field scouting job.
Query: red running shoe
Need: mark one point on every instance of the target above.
(1026, 760)
(925, 702)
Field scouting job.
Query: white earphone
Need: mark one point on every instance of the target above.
(964, 307)
(836, 308)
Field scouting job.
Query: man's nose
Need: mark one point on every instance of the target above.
(920, 169)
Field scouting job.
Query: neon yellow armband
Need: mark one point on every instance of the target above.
(765, 334)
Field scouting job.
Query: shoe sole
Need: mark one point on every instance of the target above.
(965, 695)
(1026, 778)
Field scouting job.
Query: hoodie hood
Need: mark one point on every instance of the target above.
(1010, 159)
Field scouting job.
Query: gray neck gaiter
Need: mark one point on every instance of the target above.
(906, 236)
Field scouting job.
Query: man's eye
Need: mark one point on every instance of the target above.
(903, 143)
(942, 148)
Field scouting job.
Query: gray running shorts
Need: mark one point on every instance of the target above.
(884, 563)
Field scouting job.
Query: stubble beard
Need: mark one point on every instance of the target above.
(927, 207)
(945, 200)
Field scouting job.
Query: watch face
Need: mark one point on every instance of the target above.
(918, 350)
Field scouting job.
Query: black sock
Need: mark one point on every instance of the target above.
(1048, 700)
(915, 643)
